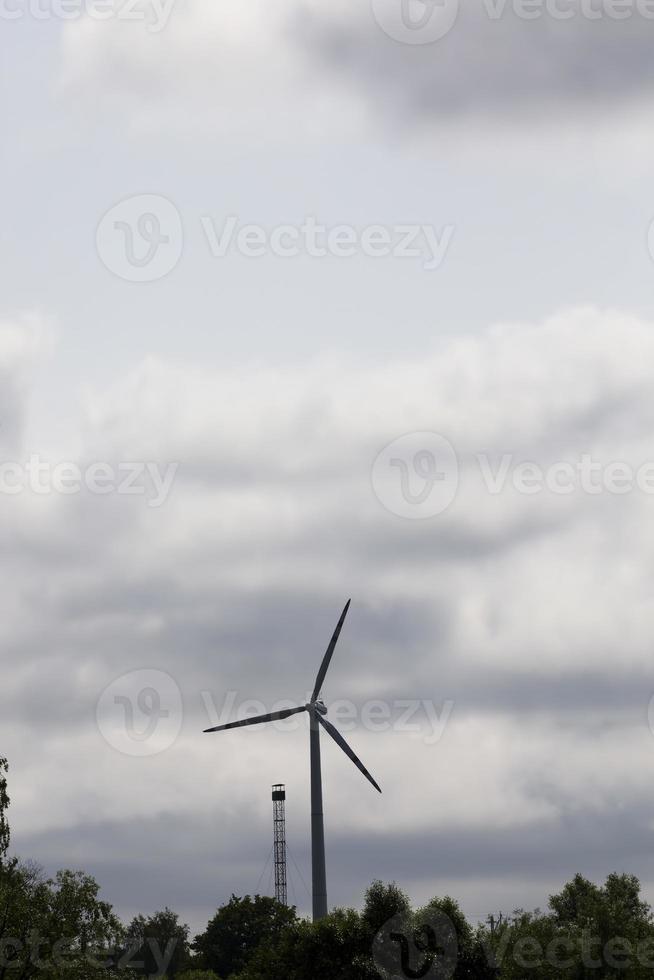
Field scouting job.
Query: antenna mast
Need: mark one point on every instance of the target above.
(279, 822)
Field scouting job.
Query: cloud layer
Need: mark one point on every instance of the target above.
(530, 612)
(274, 68)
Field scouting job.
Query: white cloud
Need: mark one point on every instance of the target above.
(228, 70)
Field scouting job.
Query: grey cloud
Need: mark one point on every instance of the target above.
(578, 841)
(195, 863)
(499, 66)
(228, 598)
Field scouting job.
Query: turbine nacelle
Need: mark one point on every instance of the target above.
(319, 706)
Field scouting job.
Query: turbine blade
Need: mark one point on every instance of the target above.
(274, 716)
(338, 738)
(326, 660)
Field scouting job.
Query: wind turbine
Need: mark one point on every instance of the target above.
(317, 711)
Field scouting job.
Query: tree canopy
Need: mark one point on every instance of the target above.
(238, 929)
(157, 943)
(589, 931)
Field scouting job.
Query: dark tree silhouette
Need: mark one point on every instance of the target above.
(237, 929)
(158, 944)
(4, 806)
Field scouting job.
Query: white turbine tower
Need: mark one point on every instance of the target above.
(317, 711)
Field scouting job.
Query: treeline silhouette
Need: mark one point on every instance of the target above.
(60, 928)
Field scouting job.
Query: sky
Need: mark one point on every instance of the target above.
(307, 301)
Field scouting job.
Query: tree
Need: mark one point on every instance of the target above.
(51, 928)
(590, 931)
(448, 909)
(460, 950)
(519, 946)
(577, 903)
(238, 929)
(383, 903)
(158, 945)
(4, 806)
(334, 948)
(54, 928)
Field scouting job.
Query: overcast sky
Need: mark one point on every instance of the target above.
(318, 425)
